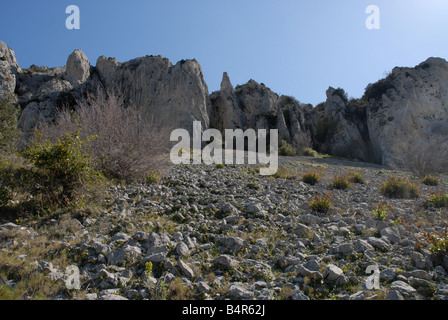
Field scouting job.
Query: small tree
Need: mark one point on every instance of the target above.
(65, 166)
(9, 133)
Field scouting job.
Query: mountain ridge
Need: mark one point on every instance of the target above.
(410, 101)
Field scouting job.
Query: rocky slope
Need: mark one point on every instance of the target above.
(229, 233)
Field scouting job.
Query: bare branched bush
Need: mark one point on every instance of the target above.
(424, 157)
(127, 147)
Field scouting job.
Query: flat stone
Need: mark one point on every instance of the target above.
(403, 287)
(332, 272)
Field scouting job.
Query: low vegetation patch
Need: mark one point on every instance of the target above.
(321, 203)
(154, 177)
(340, 182)
(430, 181)
(308, 152)
(311, 177)
(355, 177)
(381, 211)
(399, 188)
(286, 173)
(436, 242)
(286, 149)
(437, 201)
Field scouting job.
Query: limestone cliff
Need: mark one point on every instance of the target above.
(409, 105)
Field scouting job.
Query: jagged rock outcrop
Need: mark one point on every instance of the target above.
(171, 95)
(252, 105)
(8, 69)
(255, 106)
(226, 112)
(42, 92)
(339, 127)
(297, 120)
(176, 95)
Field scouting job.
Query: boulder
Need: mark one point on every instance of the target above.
(78, 68)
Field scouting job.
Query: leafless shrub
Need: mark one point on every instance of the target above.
(423, 157)
(127, 147)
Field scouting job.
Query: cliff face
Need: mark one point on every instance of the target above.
(411, 104)
(175, 95)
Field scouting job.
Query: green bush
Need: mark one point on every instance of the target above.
(437, 201)
(311, 177)
(8, 125)
(430, 181)
(381, 211)
(308, 152)
(376, 90)
(340, 182)
(399, 188)
(321, 204)
(326, 129)
(355, 177)
(437, 242)
(341, 93)
(66, 165)
(286, 149)
(153, 177)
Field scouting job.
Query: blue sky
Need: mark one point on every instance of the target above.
(294, 47)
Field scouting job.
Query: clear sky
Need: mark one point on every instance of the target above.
(295, 47)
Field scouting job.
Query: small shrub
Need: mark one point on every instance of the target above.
(326, 129)
(8, 124)
(153, 177)
(341, 93)
(340, 182)
(399, 188)
(430, 181)
(220, 166)
(66, 165)
(356, 177)
(321, 204)
(376, 90)
(381, 211)
(308, 152)
(437, 201)
(437, 242)
(311, 177)
(148, 269)
(286, 149)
